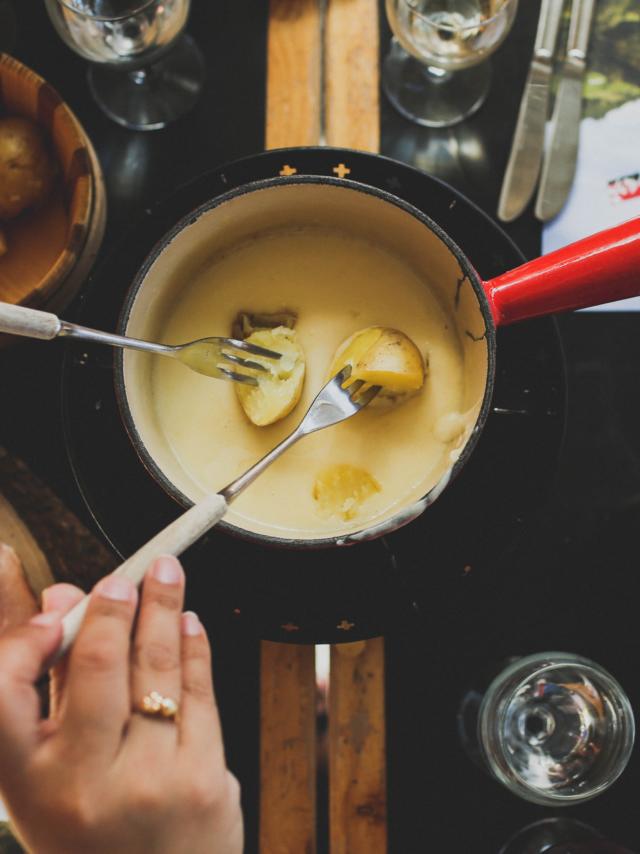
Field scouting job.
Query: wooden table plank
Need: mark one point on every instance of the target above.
(287, 749)
(287, 672)
(352, 104)
(357, 756)
(294, 73)
(357, 738)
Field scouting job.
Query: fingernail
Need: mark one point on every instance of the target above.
(115, 587)
(167, 570)
(48, 619)
(191, 625)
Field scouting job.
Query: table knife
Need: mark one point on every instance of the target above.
(559, 166)
(523, 167)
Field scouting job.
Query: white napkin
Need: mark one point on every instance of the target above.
(606, 189)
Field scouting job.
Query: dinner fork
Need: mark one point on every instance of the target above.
(206, 356)
(332, 405)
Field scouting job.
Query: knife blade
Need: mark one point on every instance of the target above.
(559, 165)
(525, 158)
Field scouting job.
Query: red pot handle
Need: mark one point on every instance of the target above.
(602, 268)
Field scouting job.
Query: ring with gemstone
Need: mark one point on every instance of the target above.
(154, 705)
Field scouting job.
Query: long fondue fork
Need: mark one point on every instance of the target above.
(206, 356)
(332, 405)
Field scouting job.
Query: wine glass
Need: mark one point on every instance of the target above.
(146, 72)
(437, 71)
(560, 836)
(554, 728)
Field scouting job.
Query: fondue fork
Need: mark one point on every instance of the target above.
(205, 356)
(332, 405)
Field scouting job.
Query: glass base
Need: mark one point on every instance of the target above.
(555, 728)
(431, 96)
(150, 98)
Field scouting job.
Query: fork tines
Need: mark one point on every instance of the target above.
(253, 349)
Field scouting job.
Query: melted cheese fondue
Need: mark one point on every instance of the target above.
(336, 284)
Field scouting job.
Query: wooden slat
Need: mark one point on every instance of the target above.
(287, 687)
(357, 766)
(287, 749)
(293, 73)
(351, 43)
(357, 718)
(357, 742)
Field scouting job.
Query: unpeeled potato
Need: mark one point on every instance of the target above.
(26, 168)
(382, 356)
(279, 390)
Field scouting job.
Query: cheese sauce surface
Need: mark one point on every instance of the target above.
(336, 284)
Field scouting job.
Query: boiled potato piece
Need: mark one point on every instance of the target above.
(279, 390)
(381, 356)
(26, 168)
(341, 489)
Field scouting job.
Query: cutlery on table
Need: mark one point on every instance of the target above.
(207, 356)
(559, 165)
(332, 405)
(523, 167)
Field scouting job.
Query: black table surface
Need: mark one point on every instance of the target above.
(575, 562)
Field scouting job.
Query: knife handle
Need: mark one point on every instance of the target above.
(579, 29)
(604, 267)
(548, 26)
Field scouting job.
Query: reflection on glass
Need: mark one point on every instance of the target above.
(146, 73)
(554, 728)
(436, 72)
(560, 836)
(546, 835)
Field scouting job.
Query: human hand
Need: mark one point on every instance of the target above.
(95, 778)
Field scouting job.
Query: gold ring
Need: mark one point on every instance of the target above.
(154, 705)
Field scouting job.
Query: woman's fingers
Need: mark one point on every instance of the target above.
(61, 598)
(23, 655)
(96, 702)
(156, 648)
(199, 723)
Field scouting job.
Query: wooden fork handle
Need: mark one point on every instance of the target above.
(173, 540)
(18, 320)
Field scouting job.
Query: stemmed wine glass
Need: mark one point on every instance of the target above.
(554, 728)
(436, 72)
(146, 72)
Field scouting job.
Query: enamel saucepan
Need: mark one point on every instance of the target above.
(602, 268)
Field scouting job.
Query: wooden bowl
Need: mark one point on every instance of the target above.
(45, 245)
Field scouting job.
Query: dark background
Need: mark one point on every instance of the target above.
(571, 578)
